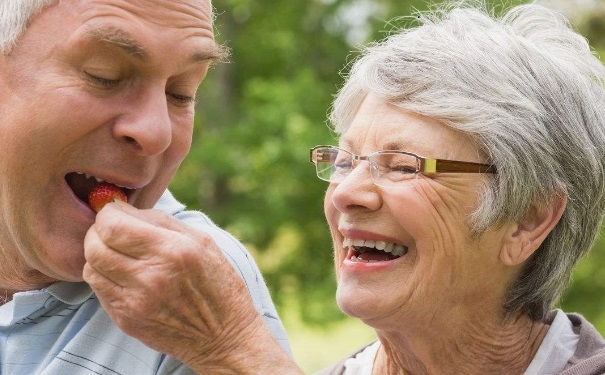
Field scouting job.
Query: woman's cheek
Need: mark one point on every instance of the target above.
(332, 216)
(330, 210)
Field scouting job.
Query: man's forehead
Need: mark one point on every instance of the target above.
(117, 23)
(182, 14)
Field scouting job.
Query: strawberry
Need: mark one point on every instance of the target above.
(104, 193)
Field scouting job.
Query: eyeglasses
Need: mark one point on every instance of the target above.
(388, 168)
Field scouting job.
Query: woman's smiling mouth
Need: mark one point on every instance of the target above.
(373, 251)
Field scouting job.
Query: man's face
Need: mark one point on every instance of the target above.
(96, 89)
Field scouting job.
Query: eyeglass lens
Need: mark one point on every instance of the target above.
(387, 168)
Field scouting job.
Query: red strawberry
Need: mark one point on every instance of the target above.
(104, 193)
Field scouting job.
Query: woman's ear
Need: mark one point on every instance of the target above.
(524, 237)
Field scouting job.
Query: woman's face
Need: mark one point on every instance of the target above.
(444, 272)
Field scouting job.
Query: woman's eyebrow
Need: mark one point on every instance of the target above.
(395, 145)
(345, 144)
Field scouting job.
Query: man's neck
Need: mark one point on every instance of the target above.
(5, 296)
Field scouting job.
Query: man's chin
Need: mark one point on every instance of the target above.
(67, 271)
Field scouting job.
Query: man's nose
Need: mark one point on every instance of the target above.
(146, 125)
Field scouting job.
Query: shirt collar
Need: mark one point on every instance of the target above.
(34, 302)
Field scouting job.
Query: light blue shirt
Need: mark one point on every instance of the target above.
(63, 330)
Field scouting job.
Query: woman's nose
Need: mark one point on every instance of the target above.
(357, 190)
(147, 125)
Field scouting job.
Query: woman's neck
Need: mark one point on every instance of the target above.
(473, 348)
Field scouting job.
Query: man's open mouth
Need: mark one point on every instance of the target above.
(82, 184)
(373, 251)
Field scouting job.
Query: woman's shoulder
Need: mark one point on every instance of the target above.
(589, 357)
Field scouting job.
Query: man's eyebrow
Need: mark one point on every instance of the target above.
(215, 54)
(119, 38)
(123, 40)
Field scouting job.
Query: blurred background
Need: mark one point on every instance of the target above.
(257, 117)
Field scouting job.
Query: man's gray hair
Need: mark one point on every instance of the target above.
(529, 91)
(14, 16)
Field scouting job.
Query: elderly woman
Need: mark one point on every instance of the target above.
(468, 180)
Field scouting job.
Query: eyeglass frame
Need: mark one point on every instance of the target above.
(423, 165)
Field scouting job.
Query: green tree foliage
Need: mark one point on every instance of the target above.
(259, 114)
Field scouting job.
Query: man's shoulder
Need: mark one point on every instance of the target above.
(235, 251)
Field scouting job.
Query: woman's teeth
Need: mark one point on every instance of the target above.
(360, 246)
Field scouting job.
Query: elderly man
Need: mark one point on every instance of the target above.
(98, 92)
(454, 202)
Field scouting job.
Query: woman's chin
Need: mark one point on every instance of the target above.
(355, 304)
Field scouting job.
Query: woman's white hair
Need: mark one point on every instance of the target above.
(14, 16)
(529, 91)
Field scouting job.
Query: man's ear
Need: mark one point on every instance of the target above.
(524, 237)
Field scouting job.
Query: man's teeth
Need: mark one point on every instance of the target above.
(88, 176)
(96, 178)
(389, 247)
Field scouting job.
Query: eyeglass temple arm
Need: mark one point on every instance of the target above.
(316, 156)
(312, 158)
(428, 165)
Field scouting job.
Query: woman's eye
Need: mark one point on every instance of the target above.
(343, 166)
(403, 169)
